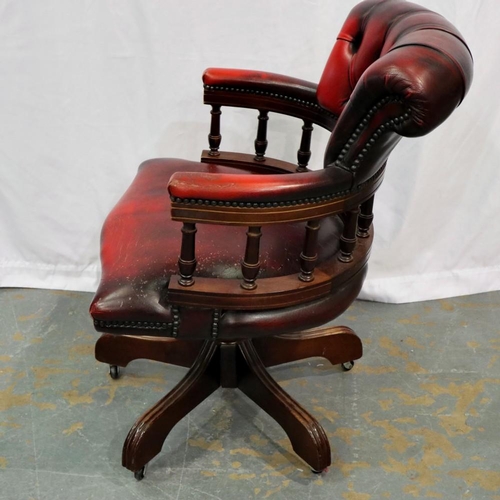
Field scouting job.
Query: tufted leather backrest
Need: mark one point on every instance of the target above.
(374, 28)
(397, 69)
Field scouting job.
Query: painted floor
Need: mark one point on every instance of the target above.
(417, 417)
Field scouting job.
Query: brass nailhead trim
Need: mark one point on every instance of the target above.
(176, 321)
(215, 323)
(242, 204)
(389, 125)
(272, 94)
(137, 325)
(144, 325)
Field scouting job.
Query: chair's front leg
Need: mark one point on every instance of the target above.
(146, 438)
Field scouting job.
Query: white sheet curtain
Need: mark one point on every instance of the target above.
(89, 89)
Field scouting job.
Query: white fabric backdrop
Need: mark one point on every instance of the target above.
(89, 89)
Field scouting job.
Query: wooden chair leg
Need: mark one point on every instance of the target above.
(338, 344)
(232, 365)
(146, 438)
(120, 350)
(307, 436)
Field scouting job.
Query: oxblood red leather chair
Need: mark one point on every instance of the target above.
(239, 303)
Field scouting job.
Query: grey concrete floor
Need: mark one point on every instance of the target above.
(417, 417)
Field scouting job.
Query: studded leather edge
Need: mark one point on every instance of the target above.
(388, 125)
(241, 204)
(134, 325)
(271, 94)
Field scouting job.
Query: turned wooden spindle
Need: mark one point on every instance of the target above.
(304, 152)
(348, 238)
(309, 254)
(261, 140)
(214, 137)
(187, 259)
(365, 218)
(251, 264)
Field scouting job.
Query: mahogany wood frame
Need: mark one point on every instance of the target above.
(241, 363)
(239, 327)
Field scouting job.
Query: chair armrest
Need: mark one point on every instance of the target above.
(251, 188)
(264, 199)
(270, 83)
(269, 91)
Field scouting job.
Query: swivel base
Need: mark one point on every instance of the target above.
(239, 365)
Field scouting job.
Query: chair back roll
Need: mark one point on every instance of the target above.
(397, 69)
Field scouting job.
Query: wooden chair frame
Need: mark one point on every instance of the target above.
(377, 87)
(242, 363)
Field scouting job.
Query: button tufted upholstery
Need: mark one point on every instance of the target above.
(375, 28)
(397, 58)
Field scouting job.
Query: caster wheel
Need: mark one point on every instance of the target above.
(139, 475)
(319, 471)
(114, 372)
(348, 365)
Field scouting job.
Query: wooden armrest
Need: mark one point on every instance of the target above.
(269, 91)
(266, 165)
(254, 200)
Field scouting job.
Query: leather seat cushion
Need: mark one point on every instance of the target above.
(140, 245)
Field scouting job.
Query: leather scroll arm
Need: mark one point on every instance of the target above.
(262, 199)
(408, 92)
